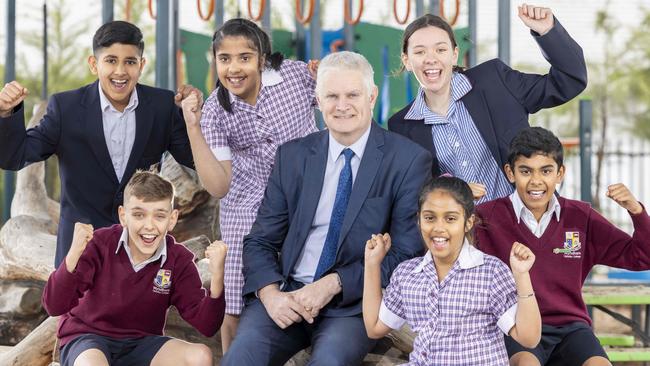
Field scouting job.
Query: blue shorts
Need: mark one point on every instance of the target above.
(572, 344)
(118, 352)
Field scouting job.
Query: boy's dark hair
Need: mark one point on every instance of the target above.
(257, 39)
(457, 188)
(427, 20)
(149, 186)
(536, 140)
(118, 32)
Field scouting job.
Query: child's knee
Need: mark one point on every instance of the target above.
(524, 359)
(198, 355)
(597, 361)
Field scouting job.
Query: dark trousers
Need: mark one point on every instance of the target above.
(259, 341)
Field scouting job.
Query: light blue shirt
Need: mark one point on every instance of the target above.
(161, 252)
(119, 130)
(460, 148)
(308, 261)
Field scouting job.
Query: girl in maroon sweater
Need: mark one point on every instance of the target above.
(568, 238)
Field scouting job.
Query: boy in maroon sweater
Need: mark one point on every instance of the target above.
(568, 238)
(116, 284)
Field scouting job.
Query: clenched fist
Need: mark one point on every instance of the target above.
(11, 95)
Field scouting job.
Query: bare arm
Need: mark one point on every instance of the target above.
(528, 321)
(215, 175)
(376, 249)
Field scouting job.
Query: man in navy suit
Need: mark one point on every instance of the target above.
(327, 194)
(101, 133)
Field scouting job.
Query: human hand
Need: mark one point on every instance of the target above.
(82, 234)
(282, 307)
(191, 106)
(185, 91)
(315, 296)
(537, 18)
(312, 66)
(10, 96)
(620, 194)
(376, 248)
(521, 258)
(478, 190)
(216, 253)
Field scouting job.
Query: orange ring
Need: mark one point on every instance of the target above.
(260, 14)
(127, 10)
(336, 45)
(442, 12)
(310, 14)
(153, 16)
(346, 12)
(210, 10)
(408, 12)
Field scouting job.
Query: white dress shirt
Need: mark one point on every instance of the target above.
(523, 213)
(308, 261)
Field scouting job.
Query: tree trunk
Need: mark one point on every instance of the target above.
(36, 349)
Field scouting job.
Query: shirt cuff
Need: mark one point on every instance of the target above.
(389, 318)
(507, 320)
(222, 153)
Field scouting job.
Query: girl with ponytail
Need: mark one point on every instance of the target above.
(261, 100)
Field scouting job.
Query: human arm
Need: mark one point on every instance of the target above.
(478, 190)
(215, 175)
(20, 147)
(567, 76)
(528, 321)
(67, 284)
(376, 248)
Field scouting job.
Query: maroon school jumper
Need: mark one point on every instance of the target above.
(565, 253)
(105, 296)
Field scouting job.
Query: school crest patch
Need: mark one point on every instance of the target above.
(571, 246)
(162, 282)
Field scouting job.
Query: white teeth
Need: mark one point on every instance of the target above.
(432, 72)
(235, 80)
(119, 81)
(149, 237)
(440, 240)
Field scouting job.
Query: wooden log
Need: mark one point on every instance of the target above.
(21, 297)
(197, 246)
(26, 249)
(36, 349)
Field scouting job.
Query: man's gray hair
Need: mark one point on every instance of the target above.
(346, 60)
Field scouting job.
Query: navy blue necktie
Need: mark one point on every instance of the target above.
(328, 256)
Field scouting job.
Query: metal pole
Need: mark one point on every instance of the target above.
(504, 31)
(301, 52)
(348, 31)
(316, 45)
(174, 45)
(471, 54)
(585, 149)
(45, 73)
(266, 18)
(419, 8)
(162, 44)
(107, 11)
(10, 75)
(434, 7)
(218, 14)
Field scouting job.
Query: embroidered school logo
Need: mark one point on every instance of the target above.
(572, 245)
(162, 282)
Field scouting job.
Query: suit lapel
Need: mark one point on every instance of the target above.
(372, 157)
(95, 130)
(477, 107)
(143, 124)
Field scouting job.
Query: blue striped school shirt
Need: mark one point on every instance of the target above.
(460, 148)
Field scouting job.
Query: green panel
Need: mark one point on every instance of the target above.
(616, 340)
(196, 48)
(628, 356)
(283, 42)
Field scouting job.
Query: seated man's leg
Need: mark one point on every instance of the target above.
(340, 341)
(259, 341)
(86, 350)
(176, 352)
(579, 347)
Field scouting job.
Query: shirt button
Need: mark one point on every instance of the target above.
(268, 141)
(464, 163)
(456, 144)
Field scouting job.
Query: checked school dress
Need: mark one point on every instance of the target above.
(249, 138)
(459, 321)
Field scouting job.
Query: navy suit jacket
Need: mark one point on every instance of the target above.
(502, 98)
(384, 198)
(73, 130)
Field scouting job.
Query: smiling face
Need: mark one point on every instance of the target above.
(346, 104)
(535, 179)
(147, 224)
(431, 56)
(443, 226)
(239, 67)
(118, 68)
